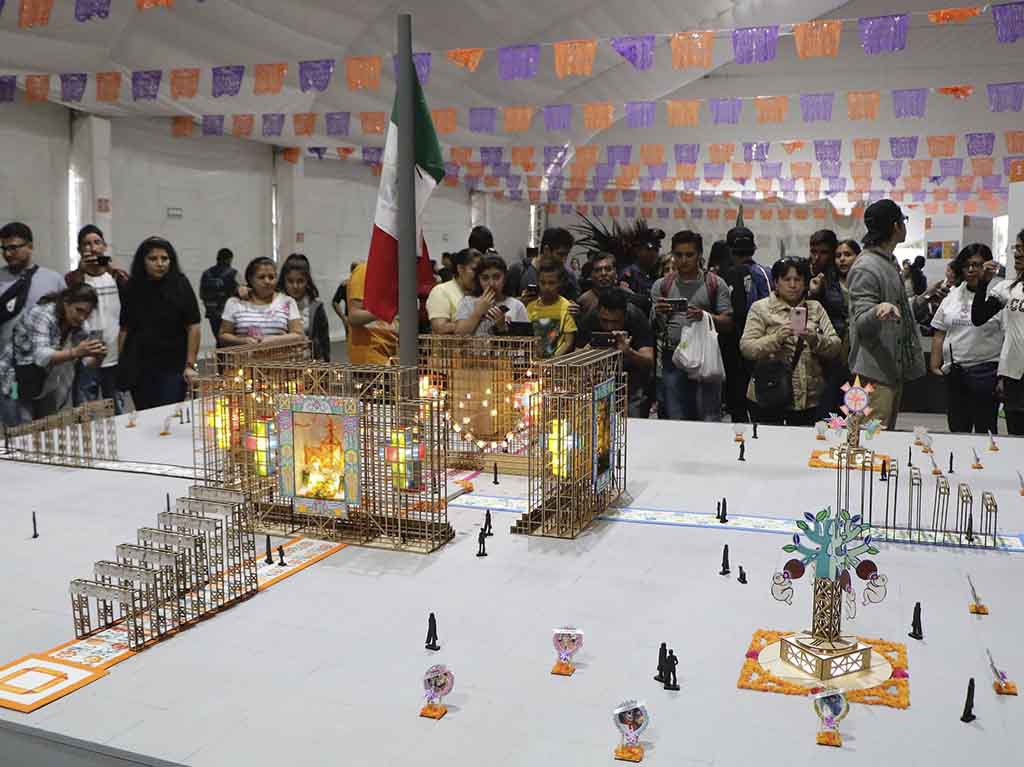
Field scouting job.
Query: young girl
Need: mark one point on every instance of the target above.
(266, 316)
(296, 282)
(1008, 298)
(491, 311)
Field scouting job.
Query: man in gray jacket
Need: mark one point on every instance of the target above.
(885, 343)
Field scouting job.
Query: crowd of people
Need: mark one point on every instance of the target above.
(100, 332)
(701, 338)
(789, 336)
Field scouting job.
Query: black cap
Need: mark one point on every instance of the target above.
(740, 238)
(881, 215)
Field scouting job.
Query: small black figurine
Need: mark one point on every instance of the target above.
(270, 557)
(181, 416)
(743, 450)
(725, 560)
(662, 654)
(481, 539)
(487, 523)
(724, 517)
(950, 461)
(968, 715)
(743, 576)
(915, 625)
(168, 501)
(671, 661)
(35, 530)
(280, 556)
(188, 415)
(884, 476)
(496, 473)
(970, 527)
(910, 456)
(754, 435)
(432, 633)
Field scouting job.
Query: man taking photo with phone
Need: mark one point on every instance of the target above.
(618, 324)
(104, 324)
(681, 299)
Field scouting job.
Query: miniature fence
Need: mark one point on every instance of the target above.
(76, 437)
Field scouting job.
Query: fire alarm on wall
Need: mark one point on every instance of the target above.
(300, 236)
(102, 204)
(175, 213)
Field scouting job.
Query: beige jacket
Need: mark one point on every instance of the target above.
(763, 339)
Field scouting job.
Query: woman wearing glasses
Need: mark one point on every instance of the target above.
(965, 355)
(1006, 298)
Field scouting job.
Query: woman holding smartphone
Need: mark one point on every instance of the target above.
(491, 310)
(787, 326)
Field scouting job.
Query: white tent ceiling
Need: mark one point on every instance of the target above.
(217, 32)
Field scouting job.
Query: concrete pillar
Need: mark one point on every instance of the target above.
(90, 169)
(290, 229)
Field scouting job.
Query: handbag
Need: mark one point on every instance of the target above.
(773, 381)
(13, 299)
(712, 368)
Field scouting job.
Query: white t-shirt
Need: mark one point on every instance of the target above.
(259, 320)
(516, 313)
(1011, 360)
(965, 344)
(106, 317)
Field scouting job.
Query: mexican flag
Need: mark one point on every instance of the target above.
(381, 294)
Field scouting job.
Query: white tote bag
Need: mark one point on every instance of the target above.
(697, 353)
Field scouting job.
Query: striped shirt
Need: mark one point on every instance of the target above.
(259, 320)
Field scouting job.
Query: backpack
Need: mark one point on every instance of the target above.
(216, 287)
(711, 286)
(13, 299)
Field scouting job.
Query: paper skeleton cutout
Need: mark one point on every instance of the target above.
(875, 591)
(782, 588)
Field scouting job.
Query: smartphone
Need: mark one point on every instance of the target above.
(798, 320)
(94, 335)
(602, 340)
(532, 288)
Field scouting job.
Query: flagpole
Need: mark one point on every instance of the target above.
(408, 314)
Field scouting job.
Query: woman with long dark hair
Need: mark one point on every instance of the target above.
(296, 282)
(159, 327)
(1006, 297)
(965, 355)
(48, 340)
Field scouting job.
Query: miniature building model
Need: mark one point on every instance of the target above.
(484, 384)
(76, 437)
(342, 452)
(577, 454)
(198, 559)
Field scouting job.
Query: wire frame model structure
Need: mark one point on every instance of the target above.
(577, 454)
(199, 558)
(340, 452)
(834, 544)
(946, 526)
(76, 437)
(485, 385)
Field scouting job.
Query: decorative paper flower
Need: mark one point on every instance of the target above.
(872, 427)
(836, 421)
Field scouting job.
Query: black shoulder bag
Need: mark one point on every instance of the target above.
(773, 381)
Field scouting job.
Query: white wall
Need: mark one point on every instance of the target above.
(334, 203)
(509, 222)
(35, 141)
(221, 185)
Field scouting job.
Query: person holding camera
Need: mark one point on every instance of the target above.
(681, 299)
(789, 339)
(618, 324)
(489, 310)
(48, 341)
(104, 324)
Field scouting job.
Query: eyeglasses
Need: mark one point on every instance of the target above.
(13, 247)
(972, 266)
